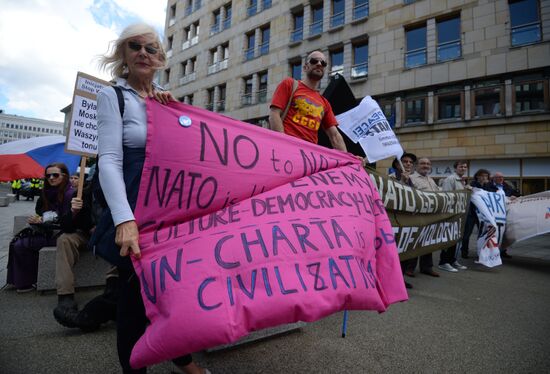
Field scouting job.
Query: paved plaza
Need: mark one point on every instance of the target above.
(477, 321)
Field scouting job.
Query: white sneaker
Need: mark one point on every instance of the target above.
(459, 266)
(448, 267)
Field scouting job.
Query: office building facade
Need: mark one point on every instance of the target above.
(14, 127)
(459, 79)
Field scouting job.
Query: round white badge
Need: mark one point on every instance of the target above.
(185, 121)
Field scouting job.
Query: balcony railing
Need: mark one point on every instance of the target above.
(296, 35)
(249, 54)
(209, 107)
(251, 10)
(416, 57)
(361, 11)
(262, 96)
(359, 70)
(169, 53)
(337, 20)
(186, 44)
(188, 78)
(217, 66)
(316, 28)
(449, 50)
(337, 69)
(172, 22)
(215, 29)
(220, 106)
(526, 34)
(227, 23)
(194, 40)
(264, 48)
(246, 99)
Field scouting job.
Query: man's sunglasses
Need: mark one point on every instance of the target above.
(315, 61)
(53, 175)
(137, 47)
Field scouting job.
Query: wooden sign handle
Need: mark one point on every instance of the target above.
(82, 176)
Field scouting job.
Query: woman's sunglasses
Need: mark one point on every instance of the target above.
(315, 61)
(137, 47)
(53, 175)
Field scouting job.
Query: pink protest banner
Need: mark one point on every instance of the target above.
(242, 228)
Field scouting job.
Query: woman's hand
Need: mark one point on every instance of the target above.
(127, 237)
(163, 97)
(34, 219)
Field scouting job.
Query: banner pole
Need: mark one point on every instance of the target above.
(81, 178)
(345, 324)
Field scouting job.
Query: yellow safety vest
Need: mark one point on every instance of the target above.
(16, 184)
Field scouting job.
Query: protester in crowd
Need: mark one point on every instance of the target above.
(424, 182)
(134, 59)
(499, 182)
(75, 226)
(16, 188)
(304, 109)
(510, 191)
(453, 182)
(53, 203)
(481, 180)
(407, 160)
(75, 177)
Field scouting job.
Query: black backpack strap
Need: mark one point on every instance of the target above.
(120, 98)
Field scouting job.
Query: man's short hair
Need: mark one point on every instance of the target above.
(459, 162)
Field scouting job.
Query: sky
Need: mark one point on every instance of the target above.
(44, 43)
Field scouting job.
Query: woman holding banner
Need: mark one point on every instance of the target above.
(133, 60)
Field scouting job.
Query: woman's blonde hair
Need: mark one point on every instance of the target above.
(113, 61)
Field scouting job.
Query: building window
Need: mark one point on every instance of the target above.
(167, 76)
(449, 106)
(448, 39)
(530, 97)
(296, 69)
(252, 8)
(189, 99)
(220, 107)
(298, 33)
(266, 4)
(264, 46)
(172, 19)
(488, 101)
(416, 47)
(188, 7)
(198, 4)
(337, 62)
(249, 47)
(360, 60)
(247, 94)
(227, 19)
(388, 108)
(316, 27)
(525, 21)
(262, 89)
(338, 15)
(216, 19)
(169, 45)
(360, 9)
(209, 99)
(415, 110)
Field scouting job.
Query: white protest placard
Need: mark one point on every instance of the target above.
(367, 125)
(82, 131)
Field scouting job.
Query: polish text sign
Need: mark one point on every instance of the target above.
(242, 228)
(82, 130)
